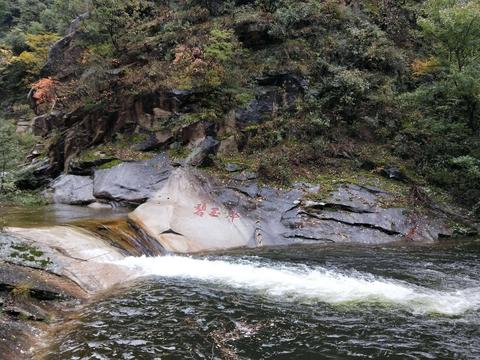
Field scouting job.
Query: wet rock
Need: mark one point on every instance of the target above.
(200, 154)
(75, 255)
(42, 285)
(16, 338)
(73, 190)
(132, 182)
(27, 310)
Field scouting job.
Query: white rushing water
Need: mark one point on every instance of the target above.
(288, 282)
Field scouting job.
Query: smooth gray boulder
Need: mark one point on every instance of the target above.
(73, 190)
(185, 216)
(132, 182)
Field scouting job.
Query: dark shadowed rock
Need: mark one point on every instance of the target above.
(73, 190)
(87, 167)
(132, 182)
(200, 154)
(274, 92)
(255, 35)
(394, 173)
(42, 125)
(156, 140)
(39, 173)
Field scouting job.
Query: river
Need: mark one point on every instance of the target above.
(401, 301)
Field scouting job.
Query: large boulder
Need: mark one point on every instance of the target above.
(73, 190)
(132, 182)
(185, 216)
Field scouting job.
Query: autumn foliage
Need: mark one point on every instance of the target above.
(43, 92)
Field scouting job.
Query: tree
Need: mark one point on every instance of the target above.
(62, 12)
(9, 151)
(111, 19)
(454, 25)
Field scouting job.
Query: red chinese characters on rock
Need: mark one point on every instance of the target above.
(215, 212)
(200, 209)
(234, 215)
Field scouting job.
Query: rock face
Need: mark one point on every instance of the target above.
(189, 211)
(357, 214)
(42, 125)
(192, 213)
(132, 182)
(64, 54)
(73, 190)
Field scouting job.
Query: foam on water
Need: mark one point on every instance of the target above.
(304, 284)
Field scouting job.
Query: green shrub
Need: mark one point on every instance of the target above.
(275, 167)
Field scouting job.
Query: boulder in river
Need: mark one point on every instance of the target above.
(132, 182)
(185, 216)
(73, 190)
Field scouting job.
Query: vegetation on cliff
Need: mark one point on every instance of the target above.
(314, 86)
